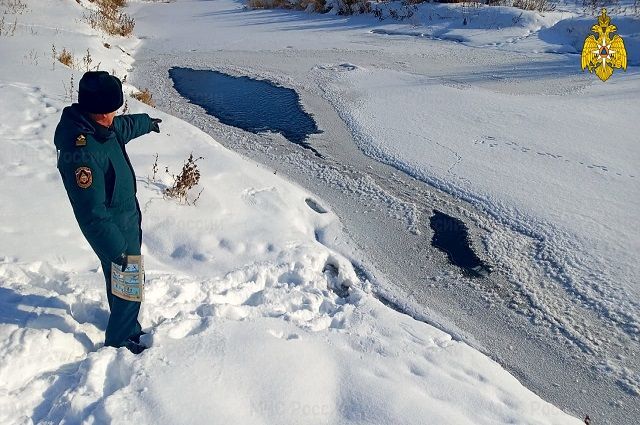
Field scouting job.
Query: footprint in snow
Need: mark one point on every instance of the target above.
(315, 206)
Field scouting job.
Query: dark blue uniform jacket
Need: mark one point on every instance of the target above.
(100, 180)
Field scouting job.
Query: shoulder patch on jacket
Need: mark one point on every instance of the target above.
(84, 177)
(81, 140)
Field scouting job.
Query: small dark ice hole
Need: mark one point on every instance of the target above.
(451, 235)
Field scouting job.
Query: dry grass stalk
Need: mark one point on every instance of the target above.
(188, 178)
(111, 4)
(69, 91)
(66, 58)
(314, 5)
(125, 108)
(8, 28)
(13, 7)
(145, 96)
(309, 5)
(110, 19)
(86, 61)
(272, 4)
(537, 5)
(155, 168)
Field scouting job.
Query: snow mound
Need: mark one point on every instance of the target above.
(268, 343)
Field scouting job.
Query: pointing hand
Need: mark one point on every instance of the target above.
(122, 261)
(155, 124)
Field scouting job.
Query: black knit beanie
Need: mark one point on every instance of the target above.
(100, 93)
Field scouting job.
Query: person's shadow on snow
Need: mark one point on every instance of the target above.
(25, 312)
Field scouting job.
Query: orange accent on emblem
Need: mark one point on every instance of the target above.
(84, 178)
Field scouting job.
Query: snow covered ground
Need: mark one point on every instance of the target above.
(495, 112)
(249, 316)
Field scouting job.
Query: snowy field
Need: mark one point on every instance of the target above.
(251, 321)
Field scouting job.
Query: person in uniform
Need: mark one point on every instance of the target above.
(101, 185)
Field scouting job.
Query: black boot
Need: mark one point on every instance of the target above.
(135, 347)
(136, 337)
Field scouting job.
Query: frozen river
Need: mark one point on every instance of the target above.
(567, 328)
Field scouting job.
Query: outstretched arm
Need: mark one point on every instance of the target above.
(128, 127)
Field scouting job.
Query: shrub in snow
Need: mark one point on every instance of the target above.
(188, 178)
(144, 96)
(306, 5)
(110, 19)
(538, 5)
(348, 7)
(65, 57)
(7, 28)
(340, 7)
(14, 7)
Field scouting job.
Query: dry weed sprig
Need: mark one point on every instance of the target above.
(13, 7)
(32, 57)
(125, 108)
(110, 19)
(86, 60)
(70, 90)
(154, 168)
(308, 5)
(14, 26)
(54, 56)
(145, 96)
(188, 178)
(8, 29)
(538, 5)
(66, 58)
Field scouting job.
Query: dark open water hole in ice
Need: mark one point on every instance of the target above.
(451, 235)
(247, 103)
